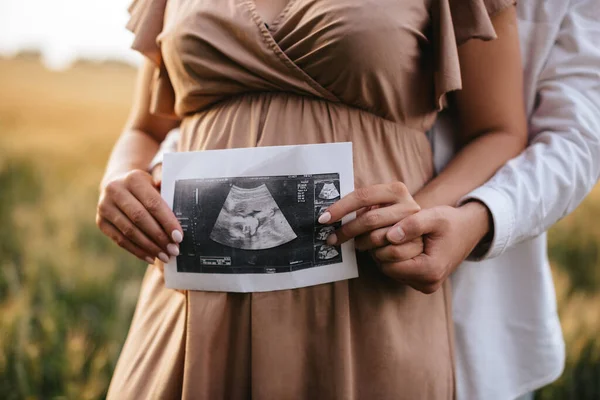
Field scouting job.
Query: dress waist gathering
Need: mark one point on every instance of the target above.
(384, 150)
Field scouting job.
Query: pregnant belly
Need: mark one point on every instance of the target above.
(383, 151)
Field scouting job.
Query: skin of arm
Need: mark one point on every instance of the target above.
(490, 111)
(130, 210)
(142, 134)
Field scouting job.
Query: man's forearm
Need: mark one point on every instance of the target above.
(168, 145)
(561, 165)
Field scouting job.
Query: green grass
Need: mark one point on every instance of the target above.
(65, 304)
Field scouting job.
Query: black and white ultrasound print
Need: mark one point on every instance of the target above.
(327, 191)
(265, 224)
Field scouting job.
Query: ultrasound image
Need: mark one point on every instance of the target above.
(251, 219)
(323, 233)
(255, 224)
(326, 252)
(327, 191)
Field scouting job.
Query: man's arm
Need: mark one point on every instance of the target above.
(562, 164)
(167, 146)
(540, 186)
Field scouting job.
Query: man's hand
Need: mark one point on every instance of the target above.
(449, 235)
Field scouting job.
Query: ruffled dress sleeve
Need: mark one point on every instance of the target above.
(454, 23)
(146, 22)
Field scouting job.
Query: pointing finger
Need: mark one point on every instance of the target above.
(365, 197)
(372, 220)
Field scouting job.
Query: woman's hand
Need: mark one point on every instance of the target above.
(379, 208)
(133, 214)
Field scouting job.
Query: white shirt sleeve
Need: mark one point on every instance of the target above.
(167, 146)
(562, 163)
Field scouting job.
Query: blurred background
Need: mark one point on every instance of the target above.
(67, 293)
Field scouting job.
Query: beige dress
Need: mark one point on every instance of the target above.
(373, 72)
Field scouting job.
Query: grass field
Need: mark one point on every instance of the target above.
(67, 294)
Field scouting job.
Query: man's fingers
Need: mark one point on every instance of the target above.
(418, 272)
(399, 252)
(371, 220)
(421, 223)
(151, 200)
(365, 197)
(372, 240)
(112, 232)
(412, 269)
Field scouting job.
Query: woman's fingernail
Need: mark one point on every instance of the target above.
(325, 217)
(163, 257)
(396, 234)
(177, 236)
(149, 260)
(332, 239)
(173, 249)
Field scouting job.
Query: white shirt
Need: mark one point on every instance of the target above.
(508, 336)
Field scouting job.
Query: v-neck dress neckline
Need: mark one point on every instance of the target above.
(268, 37)
(271, 26)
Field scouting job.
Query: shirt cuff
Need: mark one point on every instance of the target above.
(499, 205)
(167, 146)
(158, 159)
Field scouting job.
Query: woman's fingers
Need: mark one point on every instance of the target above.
(145, 222)
(113, 233)
(372, 220)
(365, 197)
(131, 231)
(142, 188)
(133, 206)
(397, 253)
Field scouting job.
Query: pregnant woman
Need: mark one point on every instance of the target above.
(246, 73)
